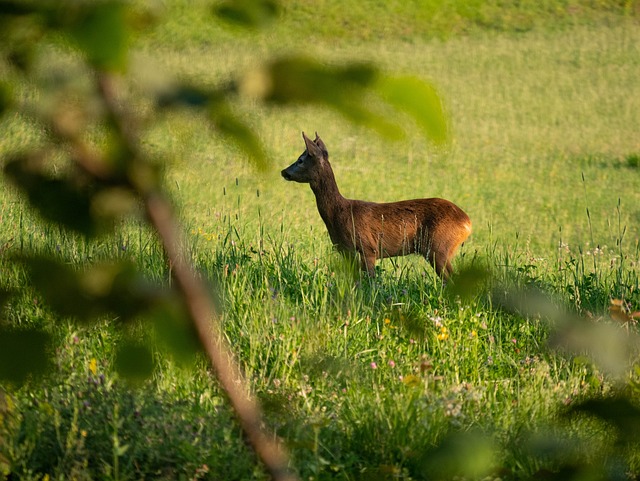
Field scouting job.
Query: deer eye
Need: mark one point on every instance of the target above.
(300, 162)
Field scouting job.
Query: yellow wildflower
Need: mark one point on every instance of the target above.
(411, 381)
(443, 335)
(93, 366)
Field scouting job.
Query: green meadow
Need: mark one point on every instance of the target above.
(396, 377)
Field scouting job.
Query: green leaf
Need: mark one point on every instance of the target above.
(184, 95)
(101, 32)
(12, 8)
(175, 331)
(119, 289)
(57, 200)
(617, 411)
(23, 353)
(418, 99)
(6, 97)
(5, 295)
(134, 361)
(226, 123)
(59, 285)
(239, 133)
(116, 289)
(303, 80)
(609, 346)
(76, 202)
(468, 283)
(466, 454)
(247, 13)
(299, 80)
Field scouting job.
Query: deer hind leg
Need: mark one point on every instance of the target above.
(441, 263)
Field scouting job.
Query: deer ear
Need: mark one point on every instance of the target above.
(323, 147)
(312, 148)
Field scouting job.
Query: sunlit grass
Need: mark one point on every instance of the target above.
(542, 124)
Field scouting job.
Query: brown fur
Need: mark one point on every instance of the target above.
(434, 227)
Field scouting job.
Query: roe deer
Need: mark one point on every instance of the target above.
(432, 227)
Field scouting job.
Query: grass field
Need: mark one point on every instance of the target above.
(391, 378)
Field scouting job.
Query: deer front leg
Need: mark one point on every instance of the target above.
(368, 263)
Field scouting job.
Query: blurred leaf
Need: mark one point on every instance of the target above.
(610, 346)
(420, 100)
(21, 27)
(118, 288)
(100, 30)
(239, 133)
(229, 125)
(299, 80)
(21, 56)
(59, 285)
(23, 353)
(411, 380)
(74, 201)
(49, 9)
(134, 361)
(616, 411)
(175, 331)
(13, 8)
(184, 95)
(467, 454)
(5, 295)
(302, 80)
(111, 203)
(6, 97)
(529, 302)
(247, 13)
(98, 290)
(468, 282)
(57, 200)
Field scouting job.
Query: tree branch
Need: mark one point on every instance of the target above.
(200, 306)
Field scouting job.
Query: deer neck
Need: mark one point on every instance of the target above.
(328, 197)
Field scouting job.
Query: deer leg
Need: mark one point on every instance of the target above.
(368, 263)
(448, 270)
(441, 264)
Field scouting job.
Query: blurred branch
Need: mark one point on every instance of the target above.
(199, 303)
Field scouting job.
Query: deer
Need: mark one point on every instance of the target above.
(433, 227)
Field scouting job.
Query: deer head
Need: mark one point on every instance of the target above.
(309, 165)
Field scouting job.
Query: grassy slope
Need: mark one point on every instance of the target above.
(532, 114)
